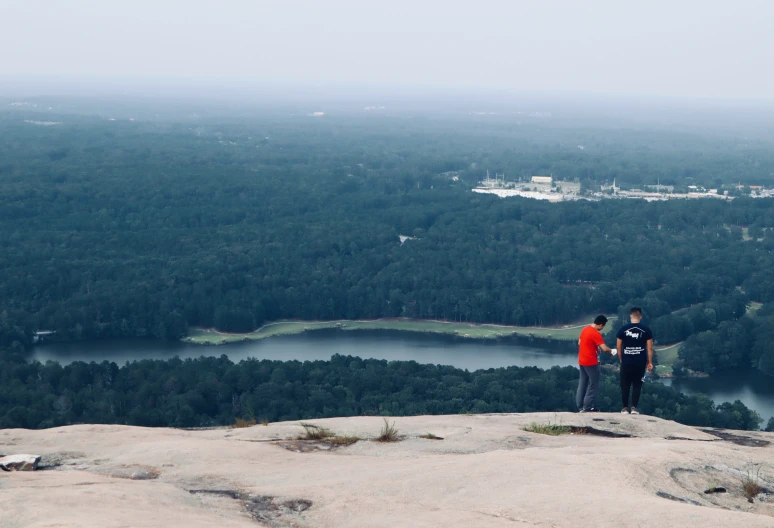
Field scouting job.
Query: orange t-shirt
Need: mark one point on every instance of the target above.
(590, 339)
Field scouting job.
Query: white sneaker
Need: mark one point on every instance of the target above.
(635, 411)
(625, 410)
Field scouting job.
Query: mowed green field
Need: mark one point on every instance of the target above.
(753, 307)
(666, 358)
(570, 332)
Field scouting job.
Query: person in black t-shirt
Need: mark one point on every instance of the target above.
(634, 342)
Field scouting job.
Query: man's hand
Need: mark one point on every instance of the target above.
(650, 367)
(605, 348)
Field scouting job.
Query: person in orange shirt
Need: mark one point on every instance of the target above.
(588, 362)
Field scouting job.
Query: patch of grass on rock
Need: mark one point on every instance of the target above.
(315, 432)
(343, 440)
(388, 433)
(549, 429)
(240, 423)
(751, 482)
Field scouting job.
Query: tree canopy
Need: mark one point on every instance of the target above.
(137, 228)
(215, 391)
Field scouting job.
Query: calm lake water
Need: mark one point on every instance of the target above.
(753, 389)
(471, 355)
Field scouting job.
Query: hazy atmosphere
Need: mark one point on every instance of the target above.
(243, 241)
(691, 48)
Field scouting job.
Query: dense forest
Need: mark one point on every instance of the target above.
(732, 344)
(118, 228)
(135, 228)
(215, 391)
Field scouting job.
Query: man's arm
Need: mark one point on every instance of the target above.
(619, 347)
(650, 355)
(606, 348)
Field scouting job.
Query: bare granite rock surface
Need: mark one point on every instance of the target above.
(468, 470)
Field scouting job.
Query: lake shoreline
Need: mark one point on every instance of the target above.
(546, 337)
(541, 336)
(392, 345)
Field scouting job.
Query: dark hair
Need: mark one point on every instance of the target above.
(600, 320)
(636, 310)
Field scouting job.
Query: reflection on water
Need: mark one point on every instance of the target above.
(754, 389)
(471, 355)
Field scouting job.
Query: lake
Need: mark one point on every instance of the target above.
(754, 389)
(321, 345)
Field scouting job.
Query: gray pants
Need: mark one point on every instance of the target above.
(588, 386)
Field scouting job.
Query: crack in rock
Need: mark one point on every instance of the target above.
(599, 432)
(266, 509)
(665, 495)
(674, 471)
(736, 439)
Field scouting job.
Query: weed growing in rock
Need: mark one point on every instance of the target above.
(343, 440)
(239, 423)
(315, 432)
(548, 429)
(751, 482)
(388, 433)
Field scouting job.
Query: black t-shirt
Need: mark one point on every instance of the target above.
(634, 338)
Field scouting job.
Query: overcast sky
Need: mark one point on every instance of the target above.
(709, 48)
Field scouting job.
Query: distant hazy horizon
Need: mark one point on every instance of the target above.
(312, 92)
(172, 99)
(708, 50)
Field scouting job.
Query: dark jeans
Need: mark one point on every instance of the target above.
(588, 385)
(631, 376)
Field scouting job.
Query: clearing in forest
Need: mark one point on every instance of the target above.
(474, 331)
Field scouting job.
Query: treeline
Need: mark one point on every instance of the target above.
(740, 344)
(215, 391)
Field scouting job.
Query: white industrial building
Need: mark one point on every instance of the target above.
(542, 179)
